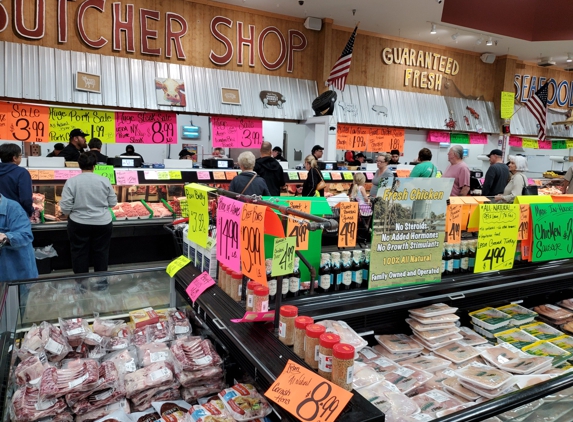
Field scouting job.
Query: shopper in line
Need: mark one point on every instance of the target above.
(278, 154)
(517, 168)
(130, 151)
(383, 172)
(15, 181)
(358, 191)
(395, 157)
(425, 167)
(248, 182)
(459, 171)
(497, 175)
(185, 154)
(269, 169)
(72, 151)
(317, 152)
(57, 149)
(313, 178)
(17, 260)
(95, 145)
(86, 199)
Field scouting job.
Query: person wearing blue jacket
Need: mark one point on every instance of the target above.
(17, 259)
(15, 181)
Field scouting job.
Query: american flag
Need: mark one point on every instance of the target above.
(341, 68)
(537, 105)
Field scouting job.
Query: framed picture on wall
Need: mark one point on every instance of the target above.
(230, 96)
(170, 92)
(88, 82)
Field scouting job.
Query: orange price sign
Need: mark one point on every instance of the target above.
(306, 395)
(219, 175)
(348, 226)
(296, 229)
(230, 175)
(34, 174)
(523, 228)
(25, 122)
(386, 139)
(45, 174)
(342, 137)
(454, 224)
(377, 142)
(252, 242)
(359, 136)
(336, 176)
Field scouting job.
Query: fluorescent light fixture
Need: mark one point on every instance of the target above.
(569, 58)
(489, 41)
(433, 30)
(455, 36)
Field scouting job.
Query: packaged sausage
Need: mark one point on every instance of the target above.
(433, 310)
(244, 403)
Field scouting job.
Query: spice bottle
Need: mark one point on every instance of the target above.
(236, 286)
(343, 365)
(261, 299)
(287, 316)
(326, 342)
(311, 344)
(300, 324)
(228, 276)
(220, 275)
(251, 293)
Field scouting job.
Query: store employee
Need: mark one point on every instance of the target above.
(76, 146)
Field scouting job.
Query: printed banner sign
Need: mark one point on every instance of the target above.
(552, 231)
(409, 229)
(24, 122)
(157, 127)
(96, 123)
(236, 132)
(228, 224)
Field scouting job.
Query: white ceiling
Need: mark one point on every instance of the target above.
(410, 19)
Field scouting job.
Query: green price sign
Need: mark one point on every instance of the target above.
(283, 256)
(106, 171)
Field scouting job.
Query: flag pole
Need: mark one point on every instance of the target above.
(520, 107)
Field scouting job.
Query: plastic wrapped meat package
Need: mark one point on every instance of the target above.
(107, 327)
(470, 337)
(122, 405)
(523, 381)
(439, 378)
(117, 416)
(398, 343)
(427, 363)
(457, 353)
(546, 349)
(211, 411)
(143, 399)
(433, 310)
(418, 326)
(244, 402)
(347, 334)
(159, 332)
(435, 401)
(386, 396)
(435, 335)
(486, 377)
(172, 411)
(490, 318)
(154, 375)
(149, 415)
(563, 342)
(74, 375)
(110, 382)
(396, 357)
(55, 344)
(194, 353)
(29, 371)
(519, 314)
(27, 406)
(179, 324)
(541, 331)
(451, 410)
(364, 376)
(191, 394)
(121, 341)
(436, 344)
(367, 354)
(383, 365)
(452, 385)
(554, 314)
(75, 330)
(514, 360)
(515, 337)
(407, 379)
(153, 352)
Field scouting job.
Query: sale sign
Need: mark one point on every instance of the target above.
(283, 256)
(347, 228)
(552, 231)
(497, 241)
(24, 122)
(252, 242)
(157, 127)
(198, 202)
(236, 132)
(228, 223)
(297, 227)
(96, 123)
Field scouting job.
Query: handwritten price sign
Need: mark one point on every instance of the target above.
(98, 123)
(297, 229)
(229, 214)
(343, 137)
(283, 256)
(175, 265)
(523, 229)
(106, 171)
(146, 128)
(252, 242)
(552, 231)
(201, 283)
(454, 224)
(198, 201)
(26, 123)
(347, 231)
(236, 132)
(306, 395)
(126, 177)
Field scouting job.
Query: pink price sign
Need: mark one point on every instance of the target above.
(126, 178)
(256, 317)
(201, 283)
(435, 136)
(236, 132)
(229, 221)
(157, 127)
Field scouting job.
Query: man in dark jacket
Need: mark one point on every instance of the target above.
(15, 181)
(278, 154)
(95, 147)
(76, 146)
(269, 169)
(57, 149)
(497, 176)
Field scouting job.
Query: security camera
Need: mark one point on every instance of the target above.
(301, 2)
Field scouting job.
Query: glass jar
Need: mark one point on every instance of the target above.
(251, 293)
(287, 316)
(343, 365)
(346, 270)
(261, 299)
(326, 342)
(311, 344)
(228, 276)
(300, 324)
(236, 286)
(220, 275)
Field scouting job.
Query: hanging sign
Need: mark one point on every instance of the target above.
(283, 256)
(438, 137)
(297, 227)
(348, 225)
(252, 242)
(229, 213)
(96, 123)
(552, 231)
(197, 203)
(24, 122)
(236, 132)
(159, 128)
(343, 137)
(506, 107)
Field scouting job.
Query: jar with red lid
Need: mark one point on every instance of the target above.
(311, 344)
(343, 365)
(236, 286)
(261, 299)
(300, 324)
(250, 294)
(326, 342)
(287, 316)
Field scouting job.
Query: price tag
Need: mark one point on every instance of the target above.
(523, 229)
(347, 228)
(336, 176)
(150, 175)
(369, 175)
(163, 175)
(175, 265)
(158, 127)
(236, 132)
(359, 137)
(65, 174)
(230, 175)
(343, 137)
(326, 176)
(201, 283)
(184, 204)
(34, 174)
(296, 229)
(347, 176)
(293, 175)
(306, 395)
(106, 171)
(219, 175)
(45, 174)
(252, 242)
(256, 317)
(203, 175)
(453, 224)
(283, 256)
(229, 213)
(303, 175)
(198, 202)
(25, 123)
(175, 174)
(126, 177)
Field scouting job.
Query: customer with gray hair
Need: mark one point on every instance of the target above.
(248, 182)
(459, 171)
(517, 166)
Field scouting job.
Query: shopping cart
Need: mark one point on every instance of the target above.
(176, 228)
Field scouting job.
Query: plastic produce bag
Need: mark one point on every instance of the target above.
(45, 252)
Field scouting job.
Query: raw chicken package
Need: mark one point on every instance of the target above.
(470, 337)
(435, 335)
(55, 345)
(407, 379)
(546, 349)
(367, 354)
(436, 344)
(440, 319)
(383, 365)
(378, 395)
(457, 352)
(347, 334)
(541, 331)
(519, 314)
(490, 318)
(244, 403)
(516, 337)
(427, 363)
(398, 343)
(452, 385)
(365, 375)
(211, 411)
(486, 377)
(433, 310)
(435, 401)
(418, 326)
(515, 361)
(171, 411)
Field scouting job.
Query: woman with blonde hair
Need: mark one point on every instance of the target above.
(357, 191)
(518, 180)
(313, 178)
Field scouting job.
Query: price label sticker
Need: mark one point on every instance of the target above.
(150, 175)
(126, 178)
(336, 175)
(219, 175)
(45, 174)
(34, 174)
(106, 171)
(201, 283)
(163, 175)
(347, 176)
(283, 256)
(347, 228)
(454, 224)
(175, 265)
(326, 175)
(293, 175)
(175, 175)
(297, 227)
(252, 242)
(230, 175)
(306, 395)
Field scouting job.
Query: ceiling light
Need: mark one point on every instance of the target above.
(479, 41)
(433, 30)
(569, 58)
(455, 36)
(489, 41)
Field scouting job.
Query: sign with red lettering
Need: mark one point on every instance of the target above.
(236, 132)
(158, 128)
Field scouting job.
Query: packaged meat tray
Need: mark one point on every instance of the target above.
(433, 310)
(456, 352)
(244, 403)
(364, 376)
(567, 304)
(441, 342)
(367, 354)
(541, 331)
(490, 318)
(398, 343)
(386, 396)
(440, 319)
(516, 362)
(518, 313)
(435, 334)
(563, 342)
(488, 394)
(426, 363)
(516, 337)
(435, 401)
(396, 357)
(213, 410)
(383, 365)
(555, 314)
(484, 376)
(407, 379)
(470, 337)
(194, 353)
(523, 381)
(75, 330)
(439, 378)
(447, 412)
(171, 411)
(452, 385)
(347, 334)
(546, 349)
(418, 326)
(154, 375)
